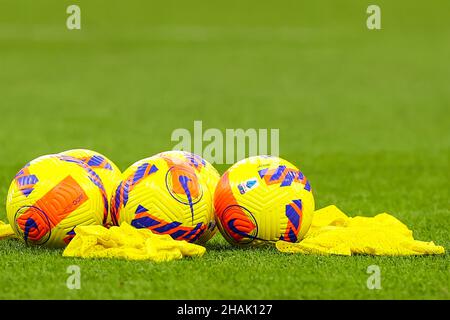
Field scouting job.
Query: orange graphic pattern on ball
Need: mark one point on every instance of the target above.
(51, 209)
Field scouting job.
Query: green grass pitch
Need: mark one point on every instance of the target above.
(364, 114)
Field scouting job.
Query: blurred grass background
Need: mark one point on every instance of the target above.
(365, 114)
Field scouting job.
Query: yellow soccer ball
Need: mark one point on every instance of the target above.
(51, 196)
(108, 172)
(167, 196)
(207, 172)
(263, 199)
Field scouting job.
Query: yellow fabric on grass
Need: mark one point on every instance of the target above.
(333, 232)
(129, 243)
(6, 231)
